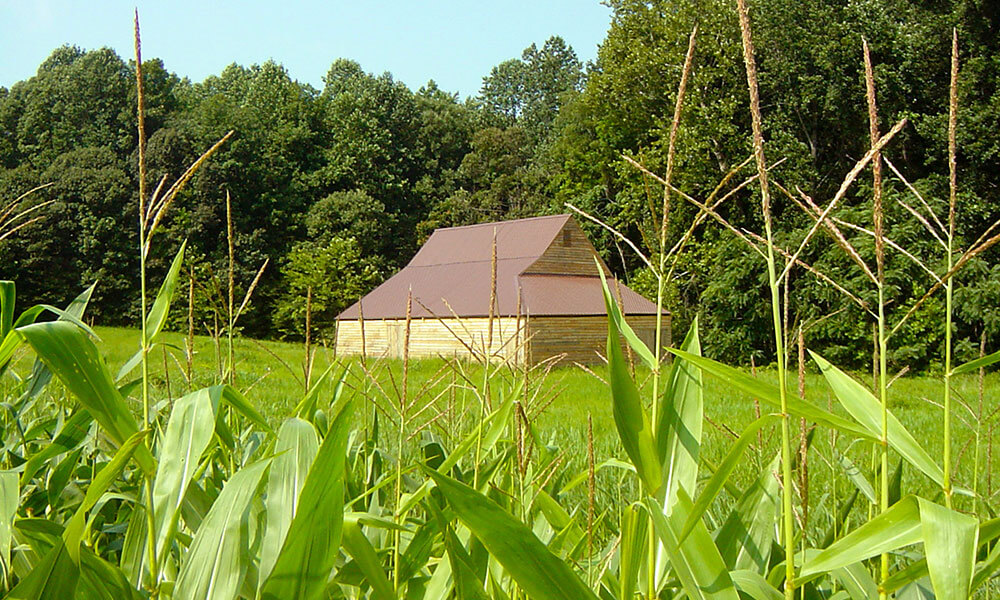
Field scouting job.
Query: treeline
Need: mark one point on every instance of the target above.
(336, 187)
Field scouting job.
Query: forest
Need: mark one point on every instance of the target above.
(335, 188)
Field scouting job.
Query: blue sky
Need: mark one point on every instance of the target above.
(453, 42)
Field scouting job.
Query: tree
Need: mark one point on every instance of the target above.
(334, 273)
(372, 125)
(530, 91)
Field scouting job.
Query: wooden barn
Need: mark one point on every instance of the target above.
(548, 305)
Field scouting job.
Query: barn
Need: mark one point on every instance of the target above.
(548, 302)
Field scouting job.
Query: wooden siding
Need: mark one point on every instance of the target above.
(432, 337)
(570, 253)
(581, 339)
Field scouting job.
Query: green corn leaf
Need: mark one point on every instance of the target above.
(630, 419)
(295, 450)
(361, 550)
(157, 315)
(539, 572)
(467, 585)
(40, 374)
(950, 546)
(977, 364)
(101, 580)
(73, 534)
(417, 552)
(9, 494)
(55, 576)
(696, 561)
(769, 394)
(858, 478)
(918, 570)
(753, 584)
(73, 433)
(61, 475)
(486, 433)
(747, 535)
(10, 342)
(987, 568)
(722, 473)
(615, 314)
(216, 562)
(8, 294)
(307, 406)
(187, 436)
(633, 549)
(867, 410)
(73, 358)
(58, 573)
(312, 544)
(679, 427)
(231, 396)
(857, 581)
(897, 527)
(582, 476)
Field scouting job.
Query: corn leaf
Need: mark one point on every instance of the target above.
(157, 315)
(630, 418)
(361, 550)
(101, 580)
(747, 535)
(10, 342)
(897, 527)
(769, 394)
(539, 572)
(633, 548)
(8, 294)
(73, 433)
(295, 450)
(722, 473)
(231, 396)
(867, 410)
(40, 374)
(187, 436)
(55, 576)
(615, 314)
(857, 581)
(695, 561)
(486, 433)
(73, 358)
(216, 562)
(467, 585)
(950, 546)
(858, 478)
(753, 584)
(979, 363)
(310, 548)
(679, 423)
(73, 534)
(9, 494)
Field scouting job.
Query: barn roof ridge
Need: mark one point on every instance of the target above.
(505, 223)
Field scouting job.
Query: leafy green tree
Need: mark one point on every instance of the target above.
(372, 127)
(334, 272)
(530, 91)
(354, 215)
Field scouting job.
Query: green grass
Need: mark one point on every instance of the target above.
(270, 373)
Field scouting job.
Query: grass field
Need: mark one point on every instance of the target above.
(271, 375)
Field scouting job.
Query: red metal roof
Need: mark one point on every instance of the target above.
(453, 269)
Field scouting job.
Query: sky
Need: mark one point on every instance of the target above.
(453, 42)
